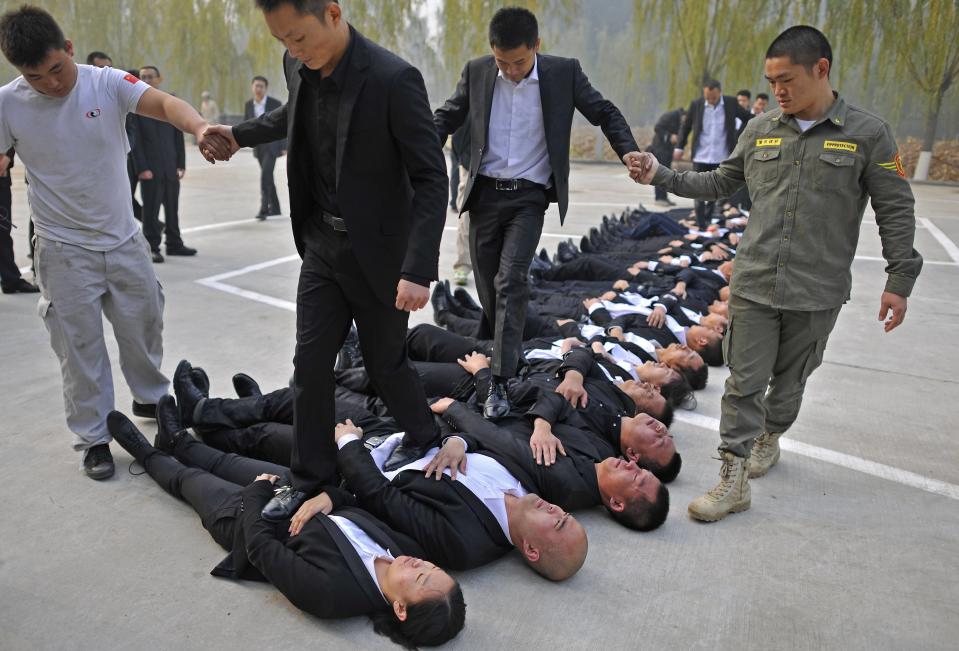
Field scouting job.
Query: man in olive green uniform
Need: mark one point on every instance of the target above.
(810, 165)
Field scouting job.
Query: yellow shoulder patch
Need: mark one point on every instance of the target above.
(768, 142)
(838, 144)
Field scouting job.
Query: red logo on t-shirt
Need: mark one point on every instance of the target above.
(131, 78)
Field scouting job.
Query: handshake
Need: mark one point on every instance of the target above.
(216, 142)
(641, 166)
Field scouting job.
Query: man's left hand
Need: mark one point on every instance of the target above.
(452, 455)
(319, 504)
(631, 157)
(895, 303)
(410, 296)
(180, 173)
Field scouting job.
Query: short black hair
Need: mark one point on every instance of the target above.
(762, 96)
(665, 473)
(745, 93)
(97, 54)
(512, 27)
(697, 378)
(643, 515)
(28, 34)
(712, 352)
(677, 390)
(712, 84)
(265, 81)
(153, 68)
(666, 416)
(135, 73)
(804, 45)
(428, 623)
(315, 7)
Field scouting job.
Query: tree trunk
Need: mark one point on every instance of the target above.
(929, 137)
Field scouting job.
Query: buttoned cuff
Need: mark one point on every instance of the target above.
(346, 438)
(901, 285)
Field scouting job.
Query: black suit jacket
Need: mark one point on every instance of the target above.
(275, 147)
(156, 146)
(391, 182)
(318, 570)
(454, 527)
(563, 87)
(570, 483)
(694, 122)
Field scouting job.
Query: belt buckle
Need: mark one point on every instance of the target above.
(506, 185)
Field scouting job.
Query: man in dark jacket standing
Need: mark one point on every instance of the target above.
(357, 118)
(267, 153)
(665, 137)
(159, 157)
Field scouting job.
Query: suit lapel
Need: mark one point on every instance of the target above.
(379, 535)
(352, 559)
(545, 91)
(489, 83)
(294, 90)
(353, 84)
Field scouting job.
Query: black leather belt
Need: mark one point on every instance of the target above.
(510, 185)
(337, 223)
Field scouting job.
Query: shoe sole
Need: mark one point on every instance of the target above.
(99, 476)
(739, 508)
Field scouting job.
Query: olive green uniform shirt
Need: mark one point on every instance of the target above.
(809, 191)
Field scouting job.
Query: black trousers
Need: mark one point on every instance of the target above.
(273, 441)
(704, 209)
(504, 231)
(210, 481)
(269, 201)
(163, 191)
(134, 180)
(332, 293)
(9, 272)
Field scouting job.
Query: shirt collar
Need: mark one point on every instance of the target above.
(835, 113)
(532, 76)
(719, 104)
(260, 102)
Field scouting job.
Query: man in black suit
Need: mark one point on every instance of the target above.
(159, 157)
(665, 137)
(584, 473)
(266, 153)
(357, 118)
(518, 106)
(715, 121)
(341, 562)
(462, 519)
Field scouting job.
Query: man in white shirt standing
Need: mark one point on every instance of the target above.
(265, 154)
(66, 122)
(518, 106)
(715, 121)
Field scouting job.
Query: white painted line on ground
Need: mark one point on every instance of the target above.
(249, 269)
(236, 222)
(942, 238)
(253, 296)
(872, 468)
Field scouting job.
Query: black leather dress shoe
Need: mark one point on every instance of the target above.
(544, 256)
(497, 403)
(463, 297)
(564, 252)
(440, 304)
(181, 250)
(201, 380)
(245, 386)
(585, 245)
(144, 410)
(284, 504)
(20, 286)
(157, 256)
(402, 455)
(187, 393)
(260, 216)
(169, 428)
(128, 436)
(350, 355)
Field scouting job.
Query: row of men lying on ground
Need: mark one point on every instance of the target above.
(490, 488)
(577, 411)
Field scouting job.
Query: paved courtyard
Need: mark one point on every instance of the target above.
(852, 541)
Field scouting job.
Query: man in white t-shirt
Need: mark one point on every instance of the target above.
(66, 122)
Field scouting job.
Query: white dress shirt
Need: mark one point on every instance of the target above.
(516, 143)
(711, 148)
(485, 478)
(367, 548)
(259, 108)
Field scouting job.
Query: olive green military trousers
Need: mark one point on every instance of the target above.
(770, 354)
